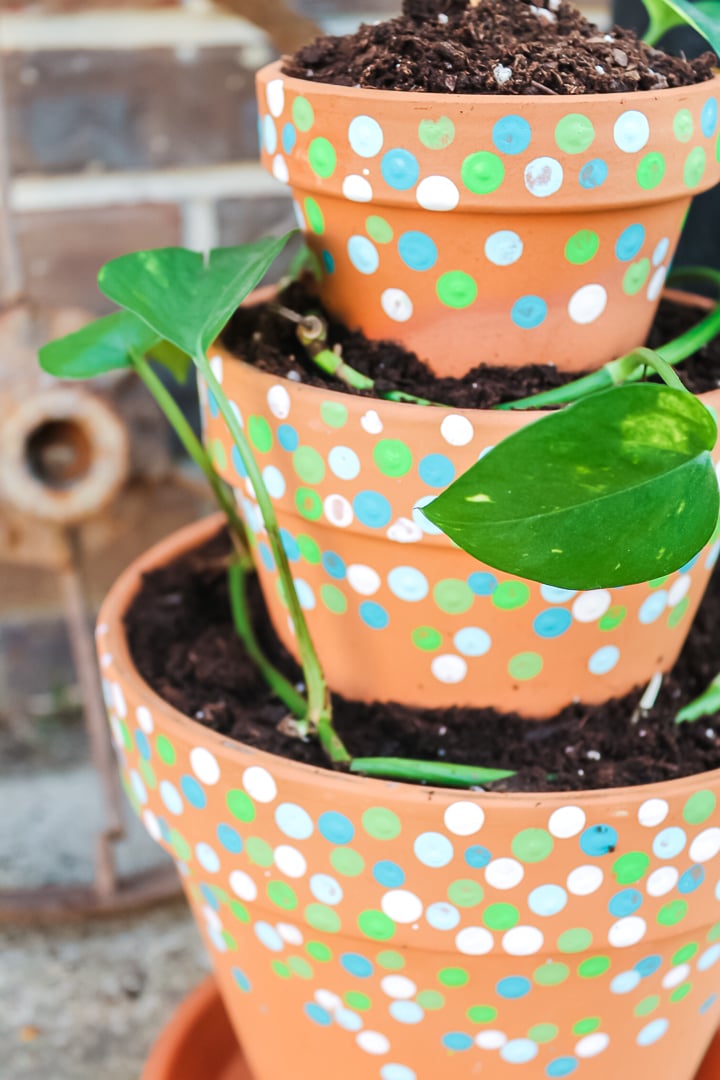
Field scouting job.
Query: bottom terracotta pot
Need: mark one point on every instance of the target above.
(382, 931)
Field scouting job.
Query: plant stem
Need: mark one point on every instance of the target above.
(706, 705)
(429, 772)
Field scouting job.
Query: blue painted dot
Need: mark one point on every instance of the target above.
(552, 623)
(374, 615)
(143, 744)
(512, 135)
(629, 242)
(241, 979)
(477, 856)
(625, 982)
(593, 174)
(230, 838)
(652, 1032)
(193, 792)
(209, 897)
(528, 312)
(442, 916)
(334, 565)
(519, 1051)
(709, 117)
(457, 1040)
(691, 880)
(707, 1004)
(317, 1014)
(562, 1066)
(599, 840)
(417, 250)
(653, 607)
(625, 902)
(689, 565)
(328, 262)
(669, 842)
(266, 555)
(400, 169)
(268, 936)
(603, 660)
(372, 509)
(555, 595)
(408, 584)
(709, 958)
(433, 849)
(294, 821)
(349, 1020)
(406, 1012)
(288, 437)
(269, 135)
(344, 462)
(289, 138)
(357, 965)
(388, 874)
(171, 797)
(482, 583)
(238, 464)
(547, 900)
(397, 1072)
(336, 827)
(472, 641)
(213, 405)
(513, 987)
(436, 470)
(363, 254)
(648, 966)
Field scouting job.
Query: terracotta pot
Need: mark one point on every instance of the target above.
(496, 228)
(382, 931)
(432, 625)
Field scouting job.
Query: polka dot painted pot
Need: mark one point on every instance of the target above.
(433, 626)
(509, 230)
(380, 931)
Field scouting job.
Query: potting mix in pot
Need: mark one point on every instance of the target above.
(427, 716)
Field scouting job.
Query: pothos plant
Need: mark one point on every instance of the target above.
(616, 488)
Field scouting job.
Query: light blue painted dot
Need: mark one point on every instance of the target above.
(241, 979)
(357, 965)
(266, 555)
(472, 641)
(669, 842)
(238, 464)
(477, 856)
(554, 595)
(547, 900)
(648, 966)
(519, 1051)
(691, 880)
(436, 470)
(363, 254)
(336, 828)
(193, 792)
(325, 889)
(305, 594)
(709, 958)
(419, 518)
(652, 1032)
(707, 1004)
(138, 787)
(230, 839)
(171, 797)
(365, 136)
(349, 1020)
(514, 987)
(599, 840)
(512, 135)
(593, 174)
(652, 608)
(372, 509)
(625, 982)
(417, 251)
(552, 623)
(213, 405)
(661, 250)
(603, 660)
(482, 583)
(408, 584)
(208, 858)
(334, 565)
(629, 242)
(457, 1040)
(143, 744)
(712, 555)
(528, 312)
(293, 821)
(406, 1012)
(625, 902)
(442, 916)
(288, 437)
(388, 874)
(344, 462)
(400, 169)
(209, 896)
(374, 615)
(709, 117)
(269, 135)
(397, 1072)
(559, 1067)
(268, 936)
(433, 849)
(317, 1014)
(503, 248)
(274, 481)
(328, 262)
(289, 138)
(165, 830)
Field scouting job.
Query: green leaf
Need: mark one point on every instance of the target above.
(184, 297)
(175, 360)
(703, 17)
(616, 489)
(101, 346)
(707, 704)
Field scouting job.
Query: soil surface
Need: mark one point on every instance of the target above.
(182, 640)
(494, 47)
(264, 338)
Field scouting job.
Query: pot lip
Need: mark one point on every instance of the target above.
(462, 102)
(111, 632)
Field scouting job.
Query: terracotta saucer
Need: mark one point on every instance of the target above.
(199, 1042)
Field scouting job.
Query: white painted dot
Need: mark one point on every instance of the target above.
(587, 304)
(118, 700)
(259, 784)
(567, 821)
(504, 873)
(290, 861)
(437, 193)
(299, 216)
(592, 605)
(279, 402)
(675, 976)
(275, 95)
(523, 941)
(474, 941)
(363, 579)
(144, 719)
(217, 368)
(705, 846)
(631, 131)
(338, 510)
(592, 1045)
(204, 765)
(106, 660)
(448, 668)
(365, 136)
(357, 189)
(211, 917)
(399, 987)
(662, 881)
(402, 906)
(280, 169)
(627, 931)
(397, 305)
(679, 590)
(543, 176)
(151, 824)
(657, 281)
(290, 934)
(653, 812)
(371, 422)
(372, 1042)
(584, 880)
(243, 885)
(490, 1040)
(661, 251)
(328, 1000)
(464, 818)
(404, 531)
(457, 430)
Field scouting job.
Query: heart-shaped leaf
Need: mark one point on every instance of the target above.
(703, 17)
(101, 346)
(184, 297)
(616, 489)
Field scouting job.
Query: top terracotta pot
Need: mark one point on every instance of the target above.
(494, 228)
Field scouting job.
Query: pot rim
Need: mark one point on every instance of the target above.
(110, 625)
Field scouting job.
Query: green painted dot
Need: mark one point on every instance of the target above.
(229, 940)
(647, 1005)
(574, 941)
(299, 966)
(465, 893)
(127, 740)
(322, 158)
(308, 503)
(543, 1033)
(392, 457)
(378, 229)
(636, 276)
(282, 895)
(717, 148)
(681, 992)
(694, 166)
(551, 974)
(482, 172)
(501, 916)
(613, 617)
(511, 595)
(699, 807)
(686, 953)
(426, 638)
(218, 455)
(482, 1014)
(532, 845)
(650, 171)
(281, 969)
(322, 917)
(594, 967)
(165, 749)
(658, 582)
(240, 805)
(309, 548)
(430, 999)
(319, 951)
(309, 465)
(453, 596)
(453, 976)
(381, 823)
(683, 125)
(259, 851)
(678, 611)
(587, 1025)
(456, 289)
(713, 933)
(315, 216)
(630, 867)
(148, 773)
(180, 845)
(334, 413)
(239, 911)
(260, 434)
(672, 913)
(525, 665)
(303, 113)
(346, 861)
(391, 960)
(357, 1000)
(436, 134)
(333, 599)
(574, 133)
(582, 247)
(376, 925)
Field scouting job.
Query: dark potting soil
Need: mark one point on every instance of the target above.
(494, 47)
(182, 640)
(264, 338)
